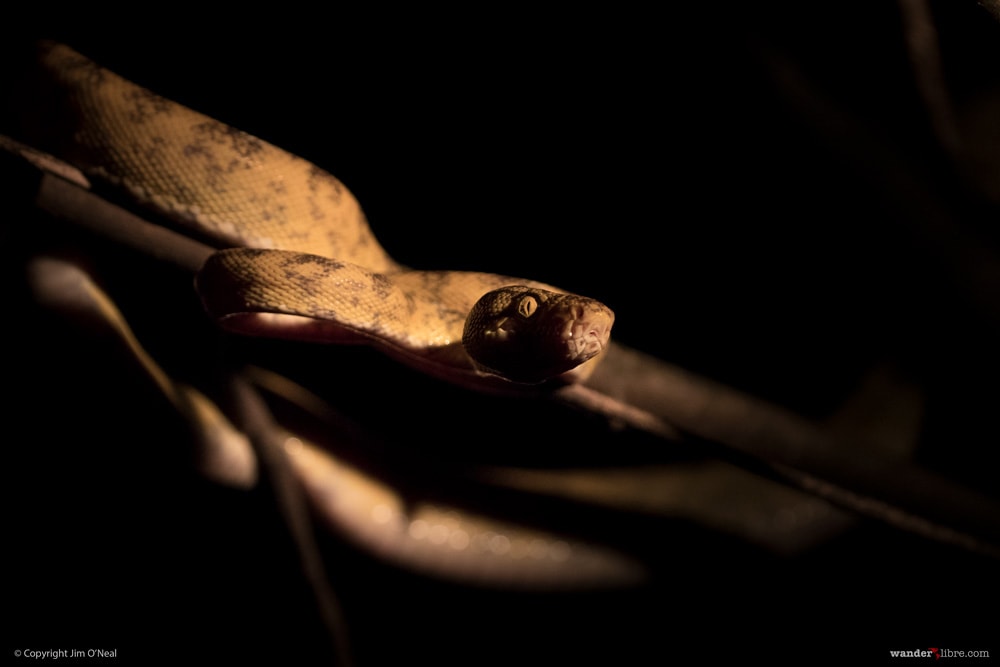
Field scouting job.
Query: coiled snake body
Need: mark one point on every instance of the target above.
(296, 255)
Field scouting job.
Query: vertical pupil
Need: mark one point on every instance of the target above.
(527, 306)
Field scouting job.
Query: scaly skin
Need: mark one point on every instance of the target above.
(300, 259)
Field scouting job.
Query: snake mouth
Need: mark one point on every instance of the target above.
(587, 331)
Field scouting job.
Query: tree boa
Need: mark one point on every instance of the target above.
(290, 255)
(296, 256)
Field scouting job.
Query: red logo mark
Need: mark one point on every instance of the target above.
(936, 652)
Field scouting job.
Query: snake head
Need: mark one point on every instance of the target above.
(530, 335)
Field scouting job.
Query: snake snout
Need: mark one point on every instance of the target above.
(588, 329)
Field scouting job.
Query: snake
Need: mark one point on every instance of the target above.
(293, 253)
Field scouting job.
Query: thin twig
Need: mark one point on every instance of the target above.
(253, 418)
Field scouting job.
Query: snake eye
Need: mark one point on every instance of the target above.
(527, 306)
